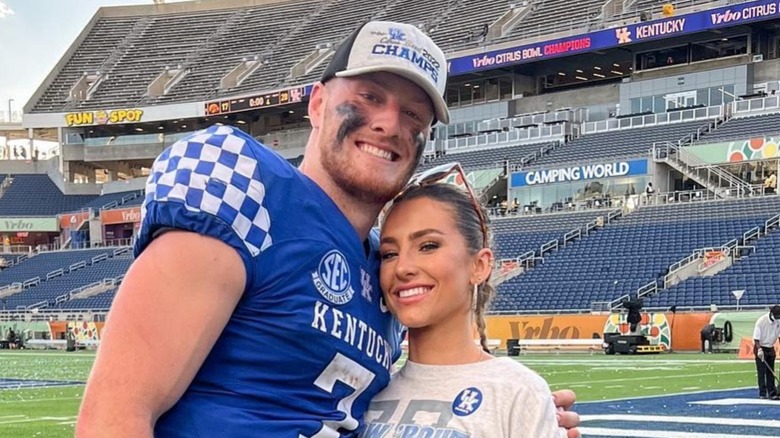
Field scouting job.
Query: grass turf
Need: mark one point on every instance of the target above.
(51, 411)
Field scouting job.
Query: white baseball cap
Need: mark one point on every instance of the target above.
(399, 48)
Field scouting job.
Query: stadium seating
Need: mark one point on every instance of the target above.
(249, 33)
(49, 200)
(165, 41)
(757, 275)
(464, 23)
(743, 128)
(99, 301)
(654, 7)
(41, 264)
(630, 253)
(9, 259)
(485, 158)
(130, 52)
(114, 200)
(553, 16)
(517, 235)
(98, 45)
(617, 144)
(88, 271)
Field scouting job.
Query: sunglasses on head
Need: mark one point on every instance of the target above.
(441, 175)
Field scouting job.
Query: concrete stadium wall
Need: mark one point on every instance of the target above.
(19, 166)
(739, 76)
(766, 71)
(599, 101)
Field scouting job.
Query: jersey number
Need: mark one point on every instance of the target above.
(347, 371)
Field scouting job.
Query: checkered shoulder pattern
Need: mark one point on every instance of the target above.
(215, 171)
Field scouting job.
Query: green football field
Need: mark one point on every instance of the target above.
(50, 411)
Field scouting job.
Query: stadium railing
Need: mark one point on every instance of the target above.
(515, 136)
(688, 115)
(757, 105)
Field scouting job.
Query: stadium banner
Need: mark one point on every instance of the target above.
(742, 325)
(24, 329)
(84, 331)
(257, 101)
(73, 220)
(114, 116)
(660, 328)
(121, 216)
(102, 117)
(726, 16)
(579, 173)
(758, 148)
(22, 224)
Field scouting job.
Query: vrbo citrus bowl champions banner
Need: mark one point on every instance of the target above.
(671, 27)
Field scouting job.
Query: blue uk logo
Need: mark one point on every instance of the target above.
(396, 34)
(467, 402)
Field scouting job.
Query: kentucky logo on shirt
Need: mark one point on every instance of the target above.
(467, 402)
(365, 282)
(332, 278)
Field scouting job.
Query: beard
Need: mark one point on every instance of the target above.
(352, 180)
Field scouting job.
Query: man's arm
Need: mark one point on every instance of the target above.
(756, 337)
(172, 306)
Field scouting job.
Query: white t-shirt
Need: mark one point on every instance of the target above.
(766, 331)
(493, 399)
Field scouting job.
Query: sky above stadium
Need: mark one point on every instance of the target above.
(34, 34)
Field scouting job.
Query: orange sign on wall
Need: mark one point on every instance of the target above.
(544, 327)
(684, 327)
(121, 216)
(82, 330)
(70, 220)
(746, 348)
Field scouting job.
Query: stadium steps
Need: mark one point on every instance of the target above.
(50, 274)
(635, 251)
(756, 273)
(539, 243)
(5, 184)
(718, 181)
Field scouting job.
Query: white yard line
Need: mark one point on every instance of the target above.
(38, 419)
(671, 394)
(737, 401)
(663, 377)
(720, 421)
(625, 433)
(35, 400)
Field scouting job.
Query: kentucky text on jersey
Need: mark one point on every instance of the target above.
(357, 333)
(410, 55)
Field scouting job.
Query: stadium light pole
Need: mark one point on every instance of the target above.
(10, 119)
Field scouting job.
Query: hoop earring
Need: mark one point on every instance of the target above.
(474, 297)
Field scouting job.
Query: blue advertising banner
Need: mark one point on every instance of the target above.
(726, 16)
(579, 173)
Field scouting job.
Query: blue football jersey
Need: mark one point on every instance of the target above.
(310, 342)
